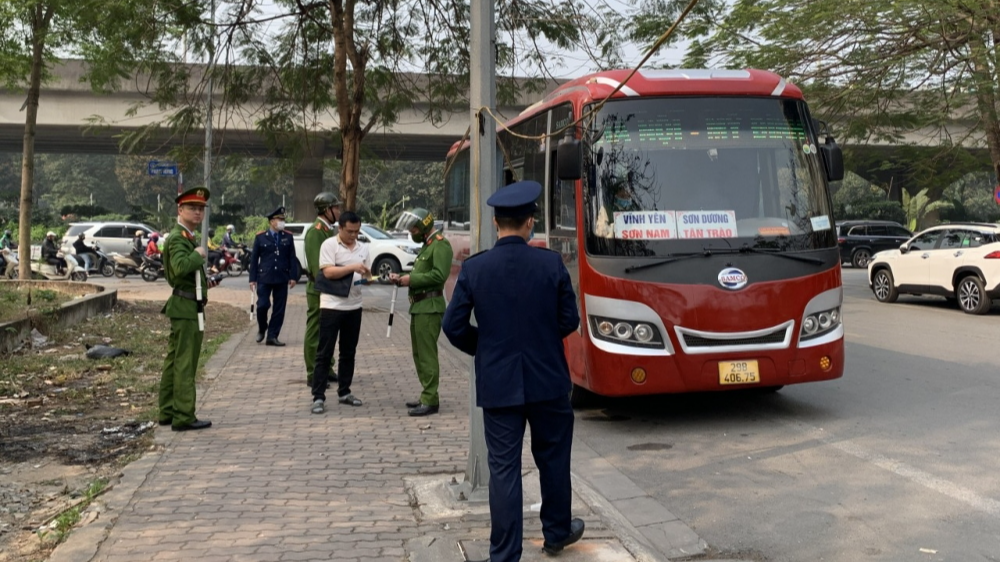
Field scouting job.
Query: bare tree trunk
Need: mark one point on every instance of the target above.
(351, 169)
(39, 28)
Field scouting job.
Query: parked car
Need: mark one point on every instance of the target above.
(112, 236)
(860, 240)
(958, 261)
(388, 254)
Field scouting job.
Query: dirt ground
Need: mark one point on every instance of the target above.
(69, 423)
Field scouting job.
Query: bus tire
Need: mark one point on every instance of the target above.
(580, 398)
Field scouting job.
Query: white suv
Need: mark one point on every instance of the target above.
(112, 236)
(388, 254)
(958, 261)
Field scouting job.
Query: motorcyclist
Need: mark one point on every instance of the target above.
(84, 252)
(227, 238)
(50, 253)
(214, 253)
(153, 250)
(138, 248)
(7, 241)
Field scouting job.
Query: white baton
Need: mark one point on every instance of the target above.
(197, 293)
(392, 309)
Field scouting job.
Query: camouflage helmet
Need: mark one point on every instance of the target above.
(421, 218)
(324, 201)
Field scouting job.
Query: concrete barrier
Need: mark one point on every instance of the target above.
(90, 300)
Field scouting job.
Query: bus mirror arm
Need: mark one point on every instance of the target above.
(569, 159)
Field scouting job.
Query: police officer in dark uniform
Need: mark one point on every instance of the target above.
(524, 304)
(273, 269)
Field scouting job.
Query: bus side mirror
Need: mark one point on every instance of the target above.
(569, 160)
(833, 159)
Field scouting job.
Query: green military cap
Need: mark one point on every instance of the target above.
(194, 196)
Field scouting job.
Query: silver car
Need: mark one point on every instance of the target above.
(111, 236)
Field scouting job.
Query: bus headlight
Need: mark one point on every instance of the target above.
(819, 323)
(644, 333)
(626, 332)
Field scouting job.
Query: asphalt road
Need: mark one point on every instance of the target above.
(894, 462)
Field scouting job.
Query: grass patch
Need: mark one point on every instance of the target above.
(17, 303)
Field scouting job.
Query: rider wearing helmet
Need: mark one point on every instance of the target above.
(138, 248)
(6, 241)
(227, 238)
(50, 252)
(327, 213)
(84, 252)
(426, 283)
(153, 247)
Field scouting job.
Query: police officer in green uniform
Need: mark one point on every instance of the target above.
(327, 213)
(184, 264)
(426, 283)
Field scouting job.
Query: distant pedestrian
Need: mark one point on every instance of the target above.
(327, 212)
(426, 283)
(184, 266)
(524, 305)
(343, 263)
(273, 270)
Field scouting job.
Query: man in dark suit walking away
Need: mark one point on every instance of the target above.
(524, 304)
(274, 269)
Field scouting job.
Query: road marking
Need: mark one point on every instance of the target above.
(925, 479)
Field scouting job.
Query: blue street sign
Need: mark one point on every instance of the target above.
(157, 168)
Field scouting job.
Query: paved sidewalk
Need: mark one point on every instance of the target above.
(271, 481)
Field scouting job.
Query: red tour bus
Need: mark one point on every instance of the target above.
(693, 213)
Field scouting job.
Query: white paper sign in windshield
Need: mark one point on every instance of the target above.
(706, 224)
(645, 225)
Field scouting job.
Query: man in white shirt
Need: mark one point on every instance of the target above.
(343, 261)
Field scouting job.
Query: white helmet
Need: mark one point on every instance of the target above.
(230, 227)
(49, 233)
(139, 233)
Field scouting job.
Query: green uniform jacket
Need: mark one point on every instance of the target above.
(430, 271)
(315, 236)
(180, 262)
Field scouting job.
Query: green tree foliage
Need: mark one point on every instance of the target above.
(112, 37)
(361, 63)
(972, 199)
(859, 199)
(919, 208)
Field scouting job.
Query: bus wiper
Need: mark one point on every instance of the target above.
(673, 257)
(747, 249)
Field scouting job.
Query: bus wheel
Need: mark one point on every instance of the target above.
(581, 398)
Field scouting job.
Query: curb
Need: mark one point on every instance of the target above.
(82, 544)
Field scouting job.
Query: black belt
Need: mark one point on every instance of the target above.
(191, 297)
(429, 294)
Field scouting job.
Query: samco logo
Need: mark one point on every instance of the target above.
(732, 278)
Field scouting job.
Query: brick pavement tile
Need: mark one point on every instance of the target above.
(271, 481)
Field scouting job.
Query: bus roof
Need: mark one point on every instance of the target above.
(663, 82)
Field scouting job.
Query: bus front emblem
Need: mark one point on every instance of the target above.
(732, 278)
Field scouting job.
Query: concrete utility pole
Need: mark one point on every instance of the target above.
(208, 128)
(483, 179)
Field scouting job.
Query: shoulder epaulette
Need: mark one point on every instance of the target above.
(438, 237)
(320, 226)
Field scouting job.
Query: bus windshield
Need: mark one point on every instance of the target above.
(672, 175)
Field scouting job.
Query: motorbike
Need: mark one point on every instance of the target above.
(125, 265)
(151, 269)
(8, 264)
(100, 262)
(45, 270)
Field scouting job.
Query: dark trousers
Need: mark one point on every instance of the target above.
(60, 263)
(551, 442)
(346, 324)
(264, 291)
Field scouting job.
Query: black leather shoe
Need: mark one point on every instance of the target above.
(197, 424)
(165, 422)
(424, 410)
(575, 533)
(260, 337)
(413, 404)
(275, 343)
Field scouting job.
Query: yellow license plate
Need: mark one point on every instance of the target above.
(739, 372)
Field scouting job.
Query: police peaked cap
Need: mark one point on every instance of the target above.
(194, 196)
(279, 212)
(516, 200)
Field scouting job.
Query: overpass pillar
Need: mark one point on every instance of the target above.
(307, 180)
